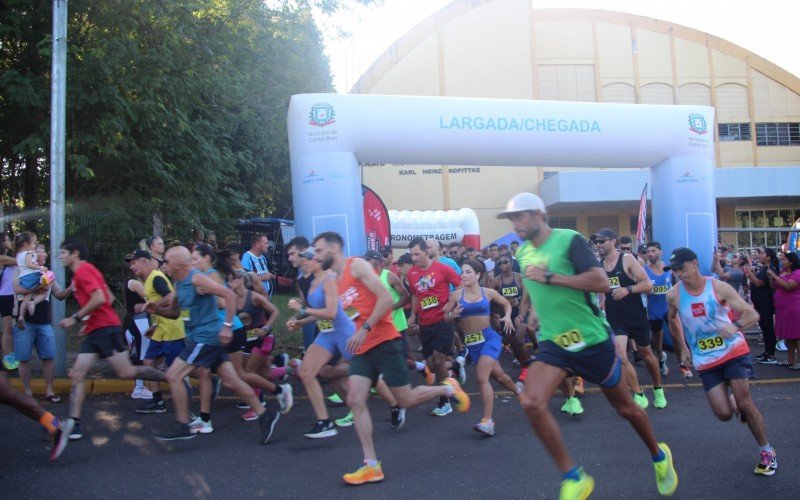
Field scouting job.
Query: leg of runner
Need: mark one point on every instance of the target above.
(180, 400)
(266, 418)
(83, 363)
(255, 364)
(651, 363)
(628, 371)
(485, 366)
(316, 357)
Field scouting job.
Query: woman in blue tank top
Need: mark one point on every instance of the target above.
(470, 305)
(335, 329)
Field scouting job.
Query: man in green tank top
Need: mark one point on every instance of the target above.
(559, 274)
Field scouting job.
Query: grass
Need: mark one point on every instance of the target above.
(285, 340)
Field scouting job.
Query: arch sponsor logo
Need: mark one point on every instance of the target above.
(312, 177)
(321, 115)
(697, 124)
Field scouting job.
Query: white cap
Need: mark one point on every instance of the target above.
(523, 202)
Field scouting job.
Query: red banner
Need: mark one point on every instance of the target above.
(376, 220)
(641, 225)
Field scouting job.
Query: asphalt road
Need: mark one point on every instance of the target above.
(428, 457)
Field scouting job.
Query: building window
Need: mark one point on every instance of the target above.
(778, 134)
(766, 218)
(563, 222)
(734, 131)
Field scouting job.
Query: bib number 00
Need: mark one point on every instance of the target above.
(711, 344)
(571, 340)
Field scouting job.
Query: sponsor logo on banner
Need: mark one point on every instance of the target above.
(312, 177)
(687, 177)
(697, 124)
(321, 115)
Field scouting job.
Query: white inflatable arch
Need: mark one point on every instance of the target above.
(330, 134)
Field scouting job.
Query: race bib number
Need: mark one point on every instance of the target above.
(253, 334)
(429, 302)
(570, 341)
(509, 291)
(613, 281)
(711, 344)
(352, 312)
(474, 338)
(326, 325)
(185, 316)
(660, 289)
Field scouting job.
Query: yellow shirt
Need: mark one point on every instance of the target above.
(166, 329)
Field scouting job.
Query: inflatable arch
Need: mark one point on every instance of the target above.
(447, 226)
(329, 134)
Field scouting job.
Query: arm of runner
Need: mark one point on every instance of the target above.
(493, 296)
(397, 285)
(331, 302)
(728, 296)
(412, 318)
(272, 311)
(166, 307)
(676, 329)
(361, 270)
(633, 268)
(589, 274)
(452, 310)
(97, 299)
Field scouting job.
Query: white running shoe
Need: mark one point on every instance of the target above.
(198, 426)
(141, 393)
(285, 398)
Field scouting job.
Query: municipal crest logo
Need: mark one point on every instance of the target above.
(697, 124)
(321, 115)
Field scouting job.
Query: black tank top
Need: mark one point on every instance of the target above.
(630, 308)
(511, 291)
(131, 299)
(304, 283)
(255, 312)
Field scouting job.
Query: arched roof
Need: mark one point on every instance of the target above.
(420, 32)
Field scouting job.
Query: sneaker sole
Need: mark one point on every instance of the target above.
(371, 480)
(482, 432)
(177, 438)
(150, 412)
(265, 439)
(670, 462)
(320, 435)
(769, 472)
(75, 437)
(202, 431)
(63, 440)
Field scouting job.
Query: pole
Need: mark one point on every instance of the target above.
(57, 162)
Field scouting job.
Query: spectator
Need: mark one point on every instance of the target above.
(7, 267)
(761, 295)
(255, 260)
(787, 304)
(155, 245)
(38, 333)
(732, 274)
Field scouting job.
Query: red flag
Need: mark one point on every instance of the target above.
(641, 226)
(376, 220)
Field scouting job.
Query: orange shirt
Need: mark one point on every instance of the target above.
(358, 303)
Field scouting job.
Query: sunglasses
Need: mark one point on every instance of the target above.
(599, 241)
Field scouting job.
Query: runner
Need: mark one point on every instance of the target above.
(509, 284)
(657, 301)
(195, 302)
(401, 298)
(470, 306)
(430, 282)
(560, 271)
(294, 248)
(377, 348)
(166, 335)
(699, 307)
(626, 315)
(59, 430)
(101, 329)
(330, 345)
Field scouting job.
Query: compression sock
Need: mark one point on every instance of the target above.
(49, 421)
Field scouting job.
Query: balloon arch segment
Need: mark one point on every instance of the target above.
(330, 134)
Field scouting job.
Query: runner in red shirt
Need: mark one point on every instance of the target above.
(430, 287)
(101, 330)
(377, 347)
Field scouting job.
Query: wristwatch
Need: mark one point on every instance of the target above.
(548, 276)
(76, 317)
(229, 325)
(366, 326)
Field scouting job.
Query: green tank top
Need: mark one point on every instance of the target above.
(567, 317)
(398, 316)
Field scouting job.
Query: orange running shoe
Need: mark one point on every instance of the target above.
(430, 378)
(459, 397)
(523, 375)
(364, 474)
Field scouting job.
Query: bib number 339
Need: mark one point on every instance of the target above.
(711, 344)
(571, 340)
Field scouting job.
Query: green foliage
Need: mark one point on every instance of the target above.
(172, 107)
